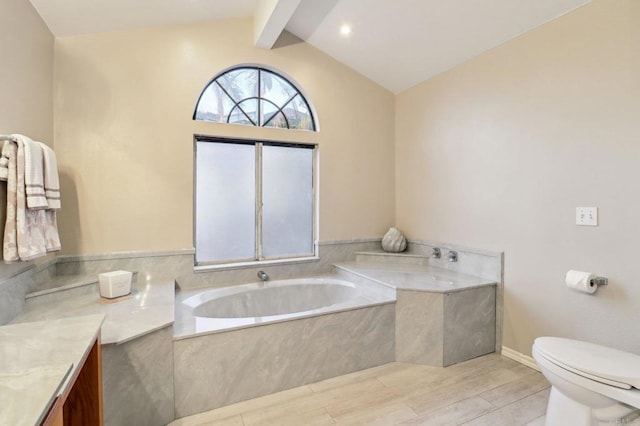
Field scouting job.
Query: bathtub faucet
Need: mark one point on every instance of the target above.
(263, 276)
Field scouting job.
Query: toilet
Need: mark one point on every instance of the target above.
(590, 384)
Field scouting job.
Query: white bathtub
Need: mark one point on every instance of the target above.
(227, 308)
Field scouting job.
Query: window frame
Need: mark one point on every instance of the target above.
(258, 258)
(259, 98)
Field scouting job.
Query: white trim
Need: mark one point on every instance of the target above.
(520, 357)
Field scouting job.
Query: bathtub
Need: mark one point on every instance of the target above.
(244, 341)
(221, 309)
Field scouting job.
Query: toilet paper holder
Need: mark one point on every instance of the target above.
(599, 281)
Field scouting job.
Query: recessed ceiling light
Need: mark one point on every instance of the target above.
(345, 30)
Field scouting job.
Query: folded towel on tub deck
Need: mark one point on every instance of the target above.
(51, 180)
(33, 172)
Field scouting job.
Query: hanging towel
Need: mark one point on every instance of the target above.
(28, 233)
(51, 180)
(4, 163)
(30, 224)
(33, 172)
(8, 164)
(52, 238)
(52, 192)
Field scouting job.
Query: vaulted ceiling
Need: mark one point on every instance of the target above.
(397, 44)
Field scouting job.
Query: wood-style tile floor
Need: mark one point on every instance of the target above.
(490, 390)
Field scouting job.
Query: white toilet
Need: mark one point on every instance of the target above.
(590, 384)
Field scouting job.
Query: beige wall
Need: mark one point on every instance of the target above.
(26, 72)
(26, 82)
(124, 134)
(498, 152)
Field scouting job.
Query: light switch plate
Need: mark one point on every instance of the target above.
(587, 216)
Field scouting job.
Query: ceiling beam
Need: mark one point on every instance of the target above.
(269, 20)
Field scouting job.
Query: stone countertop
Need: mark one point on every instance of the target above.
(414, 277)
(37, 360)
(149, 308)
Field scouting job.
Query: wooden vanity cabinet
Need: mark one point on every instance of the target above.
(81, 403)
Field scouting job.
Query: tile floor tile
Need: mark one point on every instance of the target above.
(489, 390)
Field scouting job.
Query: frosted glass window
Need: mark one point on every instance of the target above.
(287, 201)
(254, 200)
(225, 202)
(254, 96)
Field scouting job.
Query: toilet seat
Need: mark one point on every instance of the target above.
(605, 365)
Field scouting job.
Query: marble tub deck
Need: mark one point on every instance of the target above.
(414, 277)
(150, 308)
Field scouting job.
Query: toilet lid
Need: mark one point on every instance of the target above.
(606, 365)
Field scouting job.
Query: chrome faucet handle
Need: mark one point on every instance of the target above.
(435, 253)
(453, 256)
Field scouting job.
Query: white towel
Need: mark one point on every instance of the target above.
(51, 180)
(8, 173)
(52, 238)
(31, 225)
(28, 233)
(33, 172)
(4, 163)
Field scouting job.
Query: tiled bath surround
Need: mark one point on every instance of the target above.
(258, 361)
(443, 316)
(16, 280)
(138, 380)
(441, 329)
(179, 265)
(480, 263)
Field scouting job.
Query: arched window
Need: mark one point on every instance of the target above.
(254, 96)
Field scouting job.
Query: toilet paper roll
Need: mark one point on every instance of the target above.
(581, 281)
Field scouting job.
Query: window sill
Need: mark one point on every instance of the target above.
(257, 263)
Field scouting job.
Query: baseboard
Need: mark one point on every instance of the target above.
(520, 357)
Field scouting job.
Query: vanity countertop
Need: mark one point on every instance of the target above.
(150, 307)
(37, 360)
(415, 277)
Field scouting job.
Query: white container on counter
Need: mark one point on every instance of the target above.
(115, 284)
